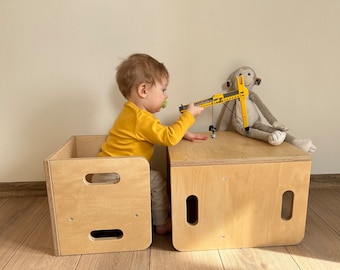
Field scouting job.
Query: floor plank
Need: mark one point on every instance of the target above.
(18, 217)
(26, 243)
(165, 257)
(3, 201)
(320, 248)
(258, 258)
(326, 203)
(36, 252)
(132, 260)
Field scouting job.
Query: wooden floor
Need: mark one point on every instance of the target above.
(26, 243)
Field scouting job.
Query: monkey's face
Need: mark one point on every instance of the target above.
(249, 76)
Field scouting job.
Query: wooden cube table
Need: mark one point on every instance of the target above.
(103, 216)
(234, 192)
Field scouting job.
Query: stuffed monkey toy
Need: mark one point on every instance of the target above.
(274, 134)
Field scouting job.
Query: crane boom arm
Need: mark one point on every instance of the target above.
(240, 94)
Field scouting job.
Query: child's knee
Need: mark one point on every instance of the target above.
(157, 181)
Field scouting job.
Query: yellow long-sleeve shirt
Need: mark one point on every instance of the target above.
(136, 131)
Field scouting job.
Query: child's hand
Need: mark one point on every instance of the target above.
(194, 136)
(194, 110)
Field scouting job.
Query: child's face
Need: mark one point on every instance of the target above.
(157, 94)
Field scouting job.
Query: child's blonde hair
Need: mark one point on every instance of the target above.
(137, 69)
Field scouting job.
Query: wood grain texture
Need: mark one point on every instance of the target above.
(37, 250)
(38, 188)
(239, 185)
(258, 258)
(18, 218)
(26, 243)
(22, 189)
(331, 214)
(79, 207)
(232, 148)
(321, 246)
(164, 256)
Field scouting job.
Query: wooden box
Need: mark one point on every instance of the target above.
(97, 217)
(234, 192)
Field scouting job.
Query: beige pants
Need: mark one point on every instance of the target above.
(159, 194)
(159, 198)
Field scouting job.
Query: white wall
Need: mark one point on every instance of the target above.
(58, 59)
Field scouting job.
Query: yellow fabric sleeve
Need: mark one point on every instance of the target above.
(136, 131)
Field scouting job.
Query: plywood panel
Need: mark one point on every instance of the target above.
(232, 148)
(80, 209)
(239, 205)
(89, 146)
(237, 186)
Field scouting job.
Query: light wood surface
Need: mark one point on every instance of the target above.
(26, 243)
(79, 208)
(232, 148)
(239, 195)
(38, 188)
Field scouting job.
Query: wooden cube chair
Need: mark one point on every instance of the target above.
(102, 216)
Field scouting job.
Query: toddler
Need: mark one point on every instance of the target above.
(143, 80)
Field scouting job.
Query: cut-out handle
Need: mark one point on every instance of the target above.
(192, 209)
(103, 178)
(114, 234)
(287, 205)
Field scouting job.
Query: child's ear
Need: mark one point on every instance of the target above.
(142, 90)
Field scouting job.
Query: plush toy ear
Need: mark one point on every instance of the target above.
(257, 81)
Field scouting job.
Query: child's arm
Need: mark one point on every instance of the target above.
(195, 111)
(194, 136)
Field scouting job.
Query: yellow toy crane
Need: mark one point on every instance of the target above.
(240, 94)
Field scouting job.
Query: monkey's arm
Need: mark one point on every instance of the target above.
(266, 112)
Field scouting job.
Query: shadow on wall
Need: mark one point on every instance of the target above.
(40, 131)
